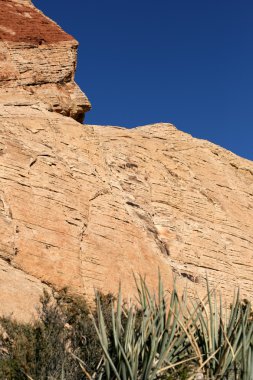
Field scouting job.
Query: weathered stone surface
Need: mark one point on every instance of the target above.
(86, 206)
(38, 61)
(20, 293)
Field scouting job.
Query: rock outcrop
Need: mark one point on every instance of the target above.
(37, 62)
(86, 206)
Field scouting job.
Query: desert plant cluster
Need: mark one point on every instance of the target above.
(156, 336)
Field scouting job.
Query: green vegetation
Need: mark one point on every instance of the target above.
(44, 350)
(159, 336)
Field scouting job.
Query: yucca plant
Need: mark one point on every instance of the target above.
(147, 339)
(244, 362)
(223, 336)
(153, 338)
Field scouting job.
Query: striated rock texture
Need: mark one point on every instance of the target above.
(37, 62)
(86, 206)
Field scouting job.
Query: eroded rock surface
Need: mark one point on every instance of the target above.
(86, 206)
(38, 61)
(20, 293)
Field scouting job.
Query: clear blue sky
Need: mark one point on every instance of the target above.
(188, 62)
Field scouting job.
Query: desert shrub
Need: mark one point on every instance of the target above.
(166, 337)
(17, 349)
(46, 349)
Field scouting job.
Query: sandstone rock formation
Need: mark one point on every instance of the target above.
(86, 206)
(37, 62)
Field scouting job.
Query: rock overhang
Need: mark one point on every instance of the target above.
(38, 58)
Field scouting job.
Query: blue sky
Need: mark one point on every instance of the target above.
(185, 62)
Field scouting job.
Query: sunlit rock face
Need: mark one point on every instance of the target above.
(87, 206)
(38, 62)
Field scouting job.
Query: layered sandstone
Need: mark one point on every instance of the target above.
(87, 206)
(37, 62)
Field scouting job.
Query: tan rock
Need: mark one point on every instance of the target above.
(20, 293)
(88, 206)
(38, 61)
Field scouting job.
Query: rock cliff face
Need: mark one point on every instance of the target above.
(37, 62)
(86, 206)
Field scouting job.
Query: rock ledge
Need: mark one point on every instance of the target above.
(38, 62)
